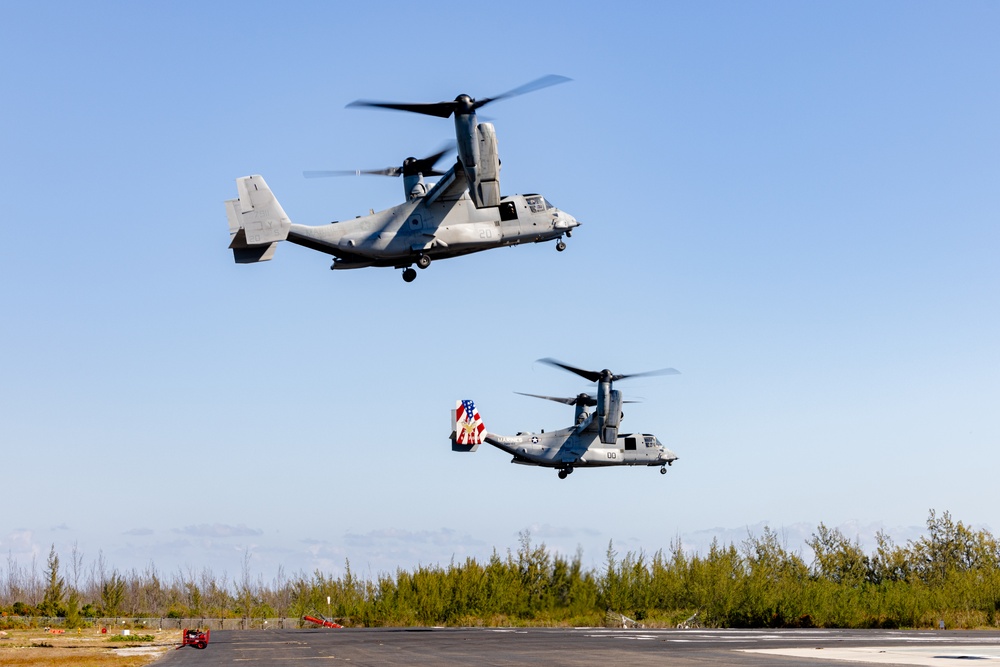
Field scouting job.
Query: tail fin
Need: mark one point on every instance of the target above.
(256, 221)
(469, 431)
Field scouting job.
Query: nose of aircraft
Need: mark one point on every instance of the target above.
(667, 456)
(565, 221)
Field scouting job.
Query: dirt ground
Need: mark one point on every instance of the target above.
(82, 648)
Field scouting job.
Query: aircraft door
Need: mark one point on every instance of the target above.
(629, 453)
(510, 226)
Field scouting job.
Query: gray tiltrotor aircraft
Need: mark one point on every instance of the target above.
(461, 214)
(593, 441)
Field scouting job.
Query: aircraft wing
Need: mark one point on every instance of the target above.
(575, 447)
(587, 424)
(450, 188)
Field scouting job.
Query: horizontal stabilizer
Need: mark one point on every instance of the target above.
(455, 447)
(260, 253)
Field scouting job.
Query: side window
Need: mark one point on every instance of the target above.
(508, 211)
(629, 444)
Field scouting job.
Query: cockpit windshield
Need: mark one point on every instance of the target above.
(537, 203)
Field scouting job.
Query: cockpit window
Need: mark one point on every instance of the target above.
(537, 203)
(650, 440)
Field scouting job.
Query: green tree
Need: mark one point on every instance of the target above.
(113, 594)
(838, 559)
(54, 587)
(949, 548)
(890, 562)
(73, 610)
(534, 567)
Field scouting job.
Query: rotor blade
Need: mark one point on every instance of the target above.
(425, 166)
(593, 376)
(438, 109)
(566, 401)
(582, 399)
(411, 167)
(661, 371)
(537, 84)
(388, 171)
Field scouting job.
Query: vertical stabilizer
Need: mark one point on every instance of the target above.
(468, 430)
(256, 221)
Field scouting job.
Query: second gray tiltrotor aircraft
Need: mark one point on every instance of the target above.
(593, 441)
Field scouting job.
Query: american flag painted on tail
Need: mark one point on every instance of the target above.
(469, 428)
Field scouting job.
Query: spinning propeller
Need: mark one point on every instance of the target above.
(608, 401)
(580, 399)
(463, 104)
(411, 167)
(605, 375)
(477, 142)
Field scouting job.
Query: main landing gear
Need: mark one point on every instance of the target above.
(409, 275)
(568, 470)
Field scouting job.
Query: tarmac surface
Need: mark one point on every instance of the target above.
(590, 646)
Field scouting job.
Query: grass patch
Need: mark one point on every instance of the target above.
(33, 647)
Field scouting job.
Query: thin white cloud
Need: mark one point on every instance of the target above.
(139, 532)
(219, 530)
(399, 536)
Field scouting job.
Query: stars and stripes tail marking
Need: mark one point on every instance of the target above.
(469, 427)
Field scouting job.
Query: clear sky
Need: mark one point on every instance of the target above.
(794, 204)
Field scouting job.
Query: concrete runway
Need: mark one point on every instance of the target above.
(590, 646)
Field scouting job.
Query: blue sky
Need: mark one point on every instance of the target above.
(795, 204)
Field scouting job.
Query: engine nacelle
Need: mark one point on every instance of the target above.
(414, 186)
(609, 413)
(614, 416)
(487, 187)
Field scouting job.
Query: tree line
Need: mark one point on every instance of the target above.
(950, 574)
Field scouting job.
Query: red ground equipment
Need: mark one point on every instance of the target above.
(195, 637)
(323, 622)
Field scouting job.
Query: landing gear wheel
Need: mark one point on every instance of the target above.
(562, 474)
(409, 275)
(663, 470)
(423, 262)
(560, 246)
